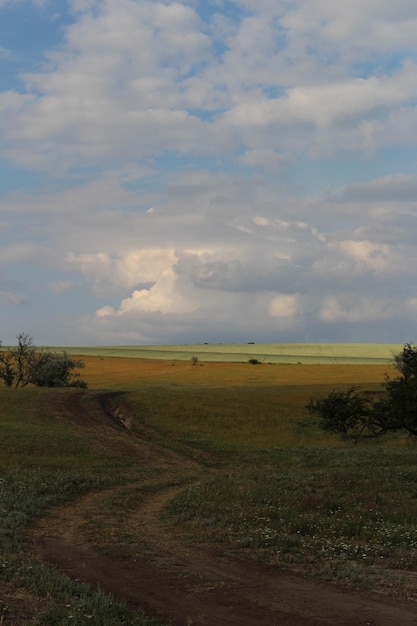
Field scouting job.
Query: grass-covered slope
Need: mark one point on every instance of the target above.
(285, 492)
(56, 445)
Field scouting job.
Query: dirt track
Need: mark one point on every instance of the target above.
(187, 584)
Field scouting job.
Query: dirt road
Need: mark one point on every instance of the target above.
(187, 584)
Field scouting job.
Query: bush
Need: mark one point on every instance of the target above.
(27, 364)
(353, 412)
(342, 411)
(56, 370)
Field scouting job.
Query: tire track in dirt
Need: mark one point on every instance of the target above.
(186, 583)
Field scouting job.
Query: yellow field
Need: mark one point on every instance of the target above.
(230, 403)
(129, 373)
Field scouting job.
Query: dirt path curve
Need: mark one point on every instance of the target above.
(187, 584)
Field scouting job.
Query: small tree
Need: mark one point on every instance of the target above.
(7, 372)
(16, 365)
(352, 411)
(406, 362)
(342, 411)
(402, 404)
(25, 364)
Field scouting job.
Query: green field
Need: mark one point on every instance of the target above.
(271, 485)
(265, 353)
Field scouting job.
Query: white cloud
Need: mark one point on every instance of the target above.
(325, 104)
(163, 297)
(185, 168)
(117, 87)
(126, 270)
(372, 255)
(134, 79)
(285, 306)
(9, 298)
(361, 24)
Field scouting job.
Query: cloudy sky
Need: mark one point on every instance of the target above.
(208, 170)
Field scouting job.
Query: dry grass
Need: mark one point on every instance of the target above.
(115, 372)
(224, 405)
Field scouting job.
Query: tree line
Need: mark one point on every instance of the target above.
(26, 364)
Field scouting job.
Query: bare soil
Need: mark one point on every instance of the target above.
(187, 584)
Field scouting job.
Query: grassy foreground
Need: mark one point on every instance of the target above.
(287, 493)
(49, 456)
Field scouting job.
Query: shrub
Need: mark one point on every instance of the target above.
(25, 364)
(352, 411)
(57, 370)
(342, 411)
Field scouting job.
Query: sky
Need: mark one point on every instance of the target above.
(208, 171)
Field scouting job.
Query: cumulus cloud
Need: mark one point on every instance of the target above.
(163, 297)
(238, 170)
(118, 87)
(371, 255)
(136, 78)
(323, 105)
(285, 306)
(128, 269)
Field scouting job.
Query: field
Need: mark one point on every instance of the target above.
(203, 480)
(265, 353)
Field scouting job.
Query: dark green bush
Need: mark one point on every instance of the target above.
(353, 412)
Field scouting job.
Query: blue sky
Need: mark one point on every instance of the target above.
(198, 171)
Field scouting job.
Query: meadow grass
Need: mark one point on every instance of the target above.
(347, 515)
(49, 456)
(288, 493)
(230, 405)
